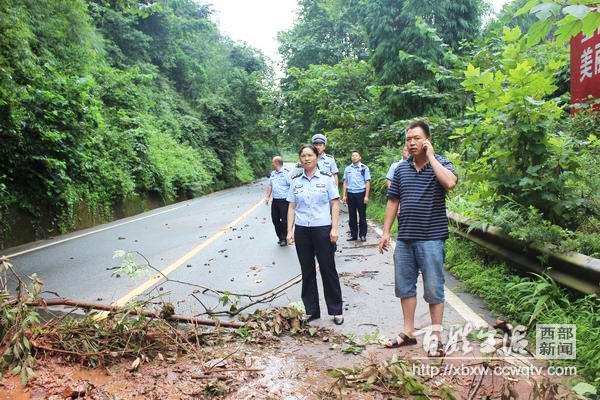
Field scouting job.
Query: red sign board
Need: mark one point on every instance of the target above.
(585, 68)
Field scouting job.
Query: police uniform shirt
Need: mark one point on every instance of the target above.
(298, 169)
(280, 182)
(356, 177)
(311, 197)
(390, 174)
(327, 163)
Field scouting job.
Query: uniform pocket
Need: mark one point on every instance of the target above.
(300, 196)
(322, 196)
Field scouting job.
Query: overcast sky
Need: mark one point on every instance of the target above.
(257, 21)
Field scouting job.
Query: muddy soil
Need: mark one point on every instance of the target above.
(293, 368)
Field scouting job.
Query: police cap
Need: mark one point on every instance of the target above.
(319, 138)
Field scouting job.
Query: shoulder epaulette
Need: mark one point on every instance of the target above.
(297, 175)
(326, 173)
(328, 155)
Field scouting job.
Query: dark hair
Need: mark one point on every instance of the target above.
(355, 151)
(308, 146)
(420, 124)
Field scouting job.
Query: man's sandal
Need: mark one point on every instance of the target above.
(400, 341)
(438, 351)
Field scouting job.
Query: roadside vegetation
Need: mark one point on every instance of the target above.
(529, 300)
(104, 101)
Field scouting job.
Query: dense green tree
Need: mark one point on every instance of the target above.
(406, 42)
(394, 36)
(326, 32)
(104, 100)
(334, 100)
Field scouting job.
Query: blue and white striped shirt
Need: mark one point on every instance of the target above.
(422, 201)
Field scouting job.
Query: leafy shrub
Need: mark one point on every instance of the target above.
(180, 171)
(243, 168)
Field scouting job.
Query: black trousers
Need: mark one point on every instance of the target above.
(356, 203)
(310, 242)
(279, 210)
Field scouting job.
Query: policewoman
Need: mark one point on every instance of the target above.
(326, 162)
(313, 216)
(279, 185)
(356, 188)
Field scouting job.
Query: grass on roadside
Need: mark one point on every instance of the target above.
(529, 300)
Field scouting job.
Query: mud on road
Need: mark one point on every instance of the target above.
(290, 368)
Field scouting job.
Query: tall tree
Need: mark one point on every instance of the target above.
(326, 32)
(400, 49)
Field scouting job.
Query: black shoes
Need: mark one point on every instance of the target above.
(312, 318)
(283, 242)
(337, 319)
(362, 239)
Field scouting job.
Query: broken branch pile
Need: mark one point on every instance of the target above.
(133, 331)
(392, 377)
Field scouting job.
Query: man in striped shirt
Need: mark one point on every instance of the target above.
(419, 188)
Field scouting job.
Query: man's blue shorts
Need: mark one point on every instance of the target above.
(427, 256)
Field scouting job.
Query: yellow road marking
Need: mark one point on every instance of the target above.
(177, 263)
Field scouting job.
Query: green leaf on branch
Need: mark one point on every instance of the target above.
(590, 23)
(537, 32)
(567, 28)
(511, 35)
(583, 389)
(527, 7)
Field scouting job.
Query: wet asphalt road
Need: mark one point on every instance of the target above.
(244, 258)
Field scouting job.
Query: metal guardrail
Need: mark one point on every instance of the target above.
(573, 270)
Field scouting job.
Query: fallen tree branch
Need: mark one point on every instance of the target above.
(212, 371)
(472, 395)
(146, 313)
(75, 353)
(273, 294)
(218, 292)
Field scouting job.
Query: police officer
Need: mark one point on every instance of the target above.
(313, 225)
(326, 162)
(389, 177)
(357, 185)
(279, 185)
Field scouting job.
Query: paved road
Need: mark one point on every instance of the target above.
(224, 240)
